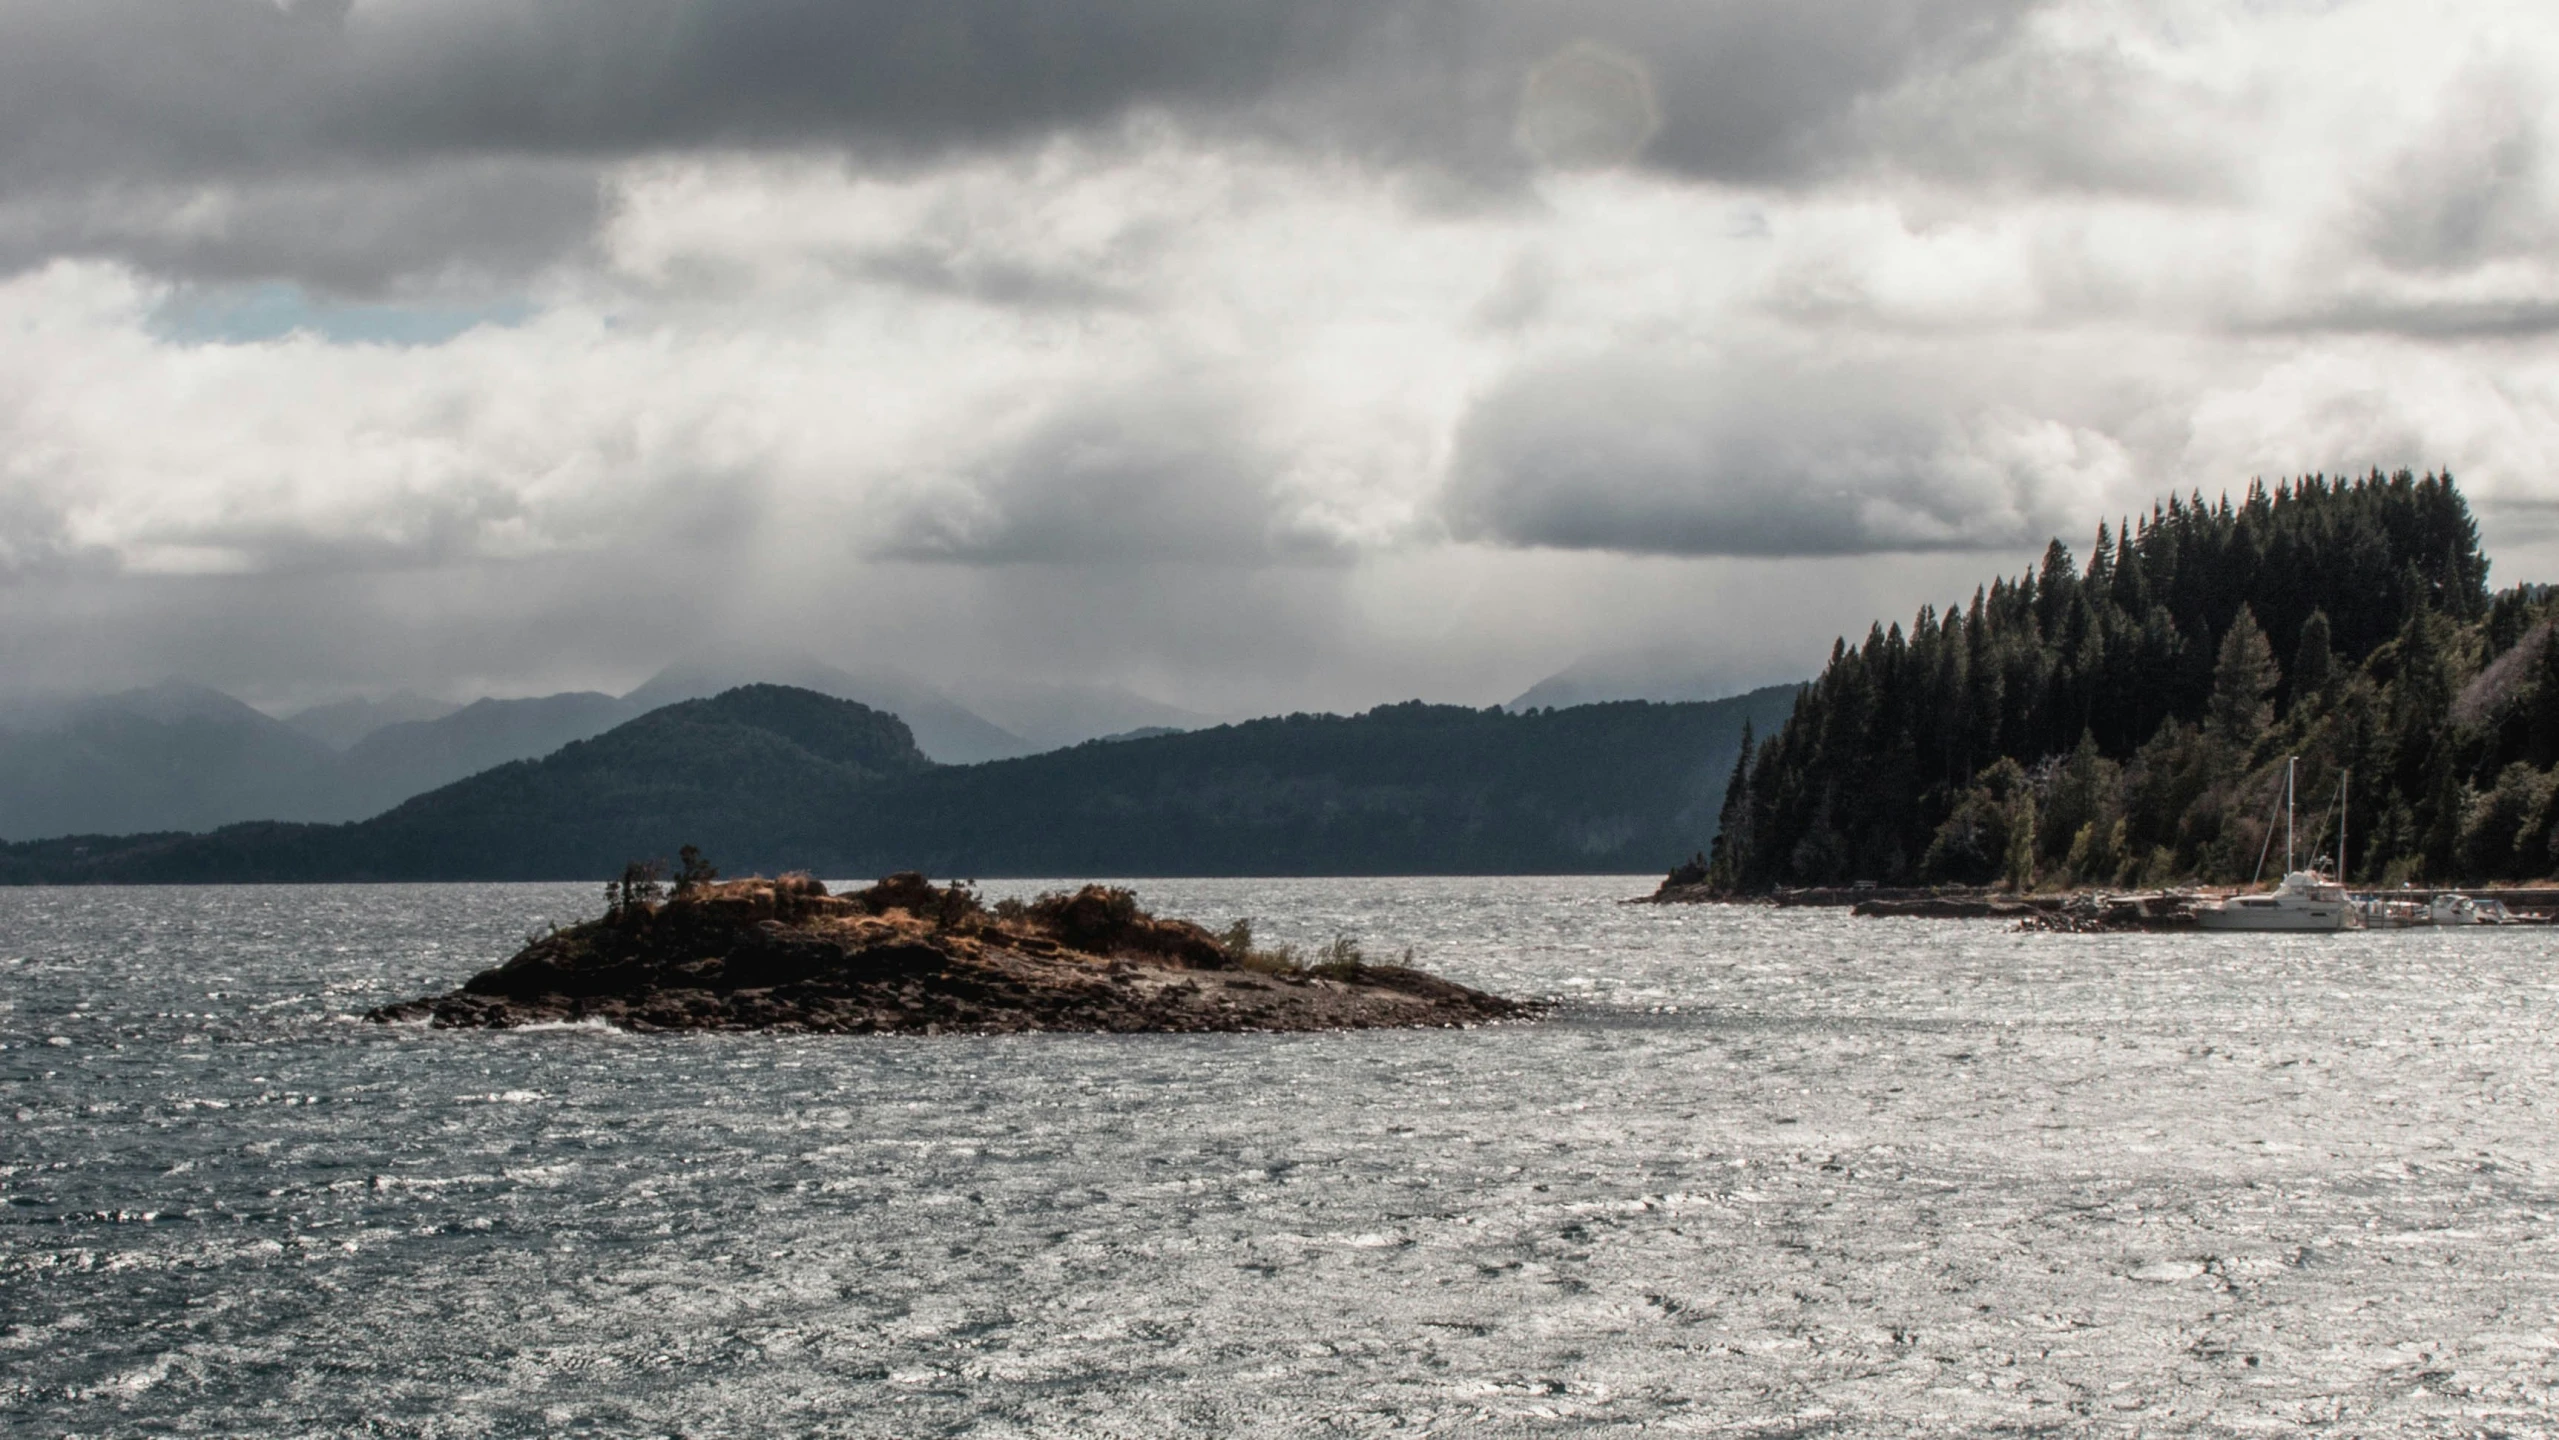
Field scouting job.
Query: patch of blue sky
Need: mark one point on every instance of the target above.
(248, 314)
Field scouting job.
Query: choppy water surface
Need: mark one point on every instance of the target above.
(1766, 1173)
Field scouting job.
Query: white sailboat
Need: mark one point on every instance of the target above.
(2304, 900)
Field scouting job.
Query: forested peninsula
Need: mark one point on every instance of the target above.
(2126, 722)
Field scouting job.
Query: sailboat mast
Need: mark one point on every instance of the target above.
(2289, 762)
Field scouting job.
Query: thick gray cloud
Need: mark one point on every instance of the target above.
(140, 87)
(1638, 454)
(354, 147)
(465, 222)
(1752, 93)
(1764, 92)
(2457, 318)
(220, 138)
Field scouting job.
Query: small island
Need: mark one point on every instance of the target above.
(905, 956)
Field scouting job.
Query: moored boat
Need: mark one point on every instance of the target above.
(2304, 900)
(2382, 912)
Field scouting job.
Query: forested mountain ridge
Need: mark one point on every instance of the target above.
(2125, 722)
(727, 772)
(773, 778)
(1401, 789)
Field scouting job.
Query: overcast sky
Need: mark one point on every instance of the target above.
(1253, 355)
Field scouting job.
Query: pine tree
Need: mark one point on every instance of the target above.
(1733, 827)
(2313, 663)
(2243, 677)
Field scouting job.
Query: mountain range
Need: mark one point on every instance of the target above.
(173, 756)
(177, 756)
(182, 757)
(772, 777)
(342, 723)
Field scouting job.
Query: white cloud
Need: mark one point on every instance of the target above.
(2007, 274)
(2490, 416)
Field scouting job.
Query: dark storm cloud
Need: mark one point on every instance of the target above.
(1757, 93)
(145, 89)
(121, 119)
(615, 76)
(343, 230)
(1760, 92)
(1642, 457)
(231, 138)
(231, 84)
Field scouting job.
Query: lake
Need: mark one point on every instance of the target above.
(1763, 1172)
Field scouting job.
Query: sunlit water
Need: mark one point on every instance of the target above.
(1763, 1173)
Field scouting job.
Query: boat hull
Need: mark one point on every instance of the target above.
(2314, 917)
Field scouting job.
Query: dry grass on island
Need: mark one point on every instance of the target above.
(907, 956)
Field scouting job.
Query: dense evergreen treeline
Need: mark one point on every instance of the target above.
(2126, 722)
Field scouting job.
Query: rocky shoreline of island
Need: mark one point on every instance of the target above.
(905, 956)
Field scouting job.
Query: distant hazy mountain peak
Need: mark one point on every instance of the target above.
(165, 702)
(339, 724)
(1660, 672)
(171, 701)
(709, 672)
(398, 761)
(1052, 715)
(170, 756)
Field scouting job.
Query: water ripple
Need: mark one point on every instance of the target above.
(1764, 1173)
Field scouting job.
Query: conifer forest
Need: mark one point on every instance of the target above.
(2126, 722)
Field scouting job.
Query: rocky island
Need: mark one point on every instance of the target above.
(907, 956)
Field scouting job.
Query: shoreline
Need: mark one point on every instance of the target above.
(2085, 911)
